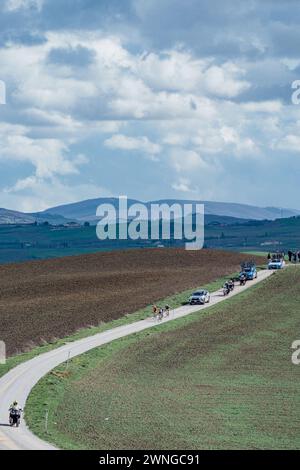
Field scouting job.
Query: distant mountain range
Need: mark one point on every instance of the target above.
(85, 211)
(10, 217)
(14, 217)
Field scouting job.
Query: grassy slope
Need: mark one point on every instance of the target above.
(174, 301)
(220, 380)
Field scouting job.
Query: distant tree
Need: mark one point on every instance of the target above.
(86, 224)
(46, 223)
(222, 235)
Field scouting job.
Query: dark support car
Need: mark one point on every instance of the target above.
(249, 270)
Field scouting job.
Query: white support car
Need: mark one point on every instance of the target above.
(200, 297)
(277, 263)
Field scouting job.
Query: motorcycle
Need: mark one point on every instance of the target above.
(226, 290)
(14, 418)
(231, 286)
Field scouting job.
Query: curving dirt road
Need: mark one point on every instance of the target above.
(18, 383)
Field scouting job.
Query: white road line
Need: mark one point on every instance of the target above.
(18, 382)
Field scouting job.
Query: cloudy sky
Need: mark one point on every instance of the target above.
(149, 98)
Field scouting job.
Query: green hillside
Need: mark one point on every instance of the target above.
(222, 379)
(29, 242)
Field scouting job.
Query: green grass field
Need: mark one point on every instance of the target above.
(222, 379)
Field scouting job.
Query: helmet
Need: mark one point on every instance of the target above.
(15, 403)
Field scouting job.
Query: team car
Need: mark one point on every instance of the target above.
(199, 297)
(277, 262)
(248, 269)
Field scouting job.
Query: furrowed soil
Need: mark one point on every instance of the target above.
(219, 379)
(44, 300)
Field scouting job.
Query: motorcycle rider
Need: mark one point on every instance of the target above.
(226, 287)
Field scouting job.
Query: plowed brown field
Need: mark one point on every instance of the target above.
(54, 298)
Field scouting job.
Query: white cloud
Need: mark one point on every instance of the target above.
(117, 84)
(178, 70)
(186, 161)
(290, 143)
(225, 80)
(124, 142)
(263, 106)
(173, 70)
(15, 5)
(48, 156)
(34, 194)
(183, 101)
(229, 133)
(184, 185)
(231, 136)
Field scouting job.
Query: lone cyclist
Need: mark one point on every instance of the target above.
(15, 406)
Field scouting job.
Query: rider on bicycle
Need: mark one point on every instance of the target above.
(15, 408)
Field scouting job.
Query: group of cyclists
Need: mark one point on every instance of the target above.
(160, 312)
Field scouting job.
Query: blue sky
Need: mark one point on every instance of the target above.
(149, 98)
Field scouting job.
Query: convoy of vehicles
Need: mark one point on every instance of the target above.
(248, 272)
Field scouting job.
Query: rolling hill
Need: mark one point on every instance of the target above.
(86, 210)
(14, 217)
(10, 217)
(218, 379)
